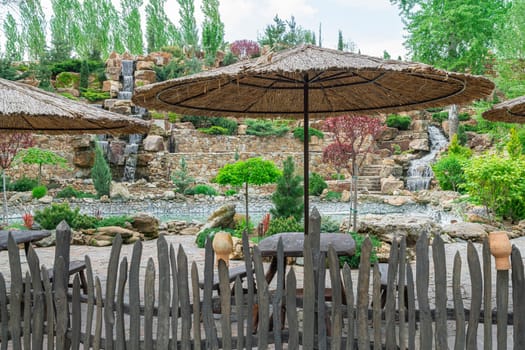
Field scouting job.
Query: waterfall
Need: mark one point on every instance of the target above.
(420, 172)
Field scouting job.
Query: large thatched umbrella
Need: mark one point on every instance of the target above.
(511, 111)
(312, 81)
(24, 108)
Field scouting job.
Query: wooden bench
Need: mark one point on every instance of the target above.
(233, 273)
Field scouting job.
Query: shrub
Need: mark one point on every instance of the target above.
(94, 95)
(455, 149)
(200, 122)
(337, 177)
(333, 196)
(82, 221)
(23, 184)
(462, 135)
(450, 173)
(230, 192)
(354, 260)
(279, 225)
(202, 189)
(214, 130)
(463, 117)
(100, 173)
(209, 232)
(39, 192)
(329, 225)
(67, 80)
(396, 149)
(317, 184)
(70, 192)
(440, 116)
(28, 220)
(241, 226)
(119, 220)
(288, 196)
(298, 133)
(397, 121)
(51, 216)
(180, 178)
(263, 127)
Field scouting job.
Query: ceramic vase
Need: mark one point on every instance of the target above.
(500, 248)
(223, 246)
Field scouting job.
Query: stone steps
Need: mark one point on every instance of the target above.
(371, 170)
(371, 183)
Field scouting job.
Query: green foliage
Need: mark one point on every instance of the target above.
(255, 171)
(288, 196)
(337, 177)
(209, 232)
(241, 226)
(498, 183)
(333, 196)
(449, 172)
(264, 127)
(13, 40)
(329, 225)
(159, 28)
(215, 130)
(230, 192)
(278, 225)
(93, 95)
(84, 75)
(33, 28)
(100, 173)
(354, 260)
(396, 149)
(401, 122)
(463, 117)
(209, 122)
(67, 80)
(188, 25)
(514, 146)
(212, 28)
(440, 116)
(74, 65)
(455, 149)
(201, 189)
(172, 116)
(181, 179)
(51, 216)
(283, 34)
(39, 192)
(298, 133)
(23, 184)
(316, 185)
(462, 135)
(7, 71)
(83, 221)
(40, 157)
(70, 192)
(118, 220)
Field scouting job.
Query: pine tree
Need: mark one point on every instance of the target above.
(84, 75)
(340, 43)
(100, 173)
(288, 197)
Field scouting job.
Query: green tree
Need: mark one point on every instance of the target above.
(13, 41)
(340, 43)
(100, 26)
(188, 25)
(212, 28)
(100, 173)
(40, 157)
(34, 28)
(132, 30)
(288, 197)
(160, 31)
(254, 171)
(514, 147)
(284, 34)
(64, 27)
(181, 179)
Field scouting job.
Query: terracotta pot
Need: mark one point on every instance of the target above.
(223, 246)
(500, 248)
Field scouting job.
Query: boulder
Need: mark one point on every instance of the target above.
(84, 158)
(153, 143)
(70, 91)
(478, 142)
(122, 107)
(145, 65)
(46, 199)
(222, 217)
(419, 125)
(147, 225)
(398, 200)
(389, 134)
(419, 145)
(119, 190)
(111, 86)
(345, 196)
(390, 185)
(469, 231)
(116, 151)
(147, 75)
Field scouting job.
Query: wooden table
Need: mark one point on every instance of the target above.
(22, 236)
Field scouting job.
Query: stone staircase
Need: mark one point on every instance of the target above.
(369, 178)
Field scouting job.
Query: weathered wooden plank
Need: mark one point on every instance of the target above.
(37, 330)
(291, 310)
(174, 299)
(350, 311)
(309, 297)
(477, 290)
(27, 312)
(111, 282)
(440, 275)
(163, 318)
(4, 318)
(277, 301)
(134, 297)
(411, 308)
(487, 295)
(149, 303)
(250, 283)
(120, 341)
(321, 306)
(62, 313)
(363, 284)
(390, 306)
(225, 294)
(422, 281)
(98, 316)
(76, 320)
(502, 305)
(401, 284)
(459, 343)
(207, 292)
(184, 296)
(263, 300)
(16, 294)
(239, 312)
(90, 302)
(337, 295)
(518, 295)
(62, 248)
(376, 307)
(196, 306)
(50, 308)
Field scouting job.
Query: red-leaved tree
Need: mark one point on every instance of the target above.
(10, 144)
(244, 48)
(354, 137)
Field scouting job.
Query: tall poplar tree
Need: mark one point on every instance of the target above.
(13, 41)
(160, 31)
(188, 25)
(100, 27)
(64, 27)
(132, 30)
(34, 28)
(212, 28)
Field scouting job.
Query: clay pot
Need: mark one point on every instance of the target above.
(223, 246)
(500, 248)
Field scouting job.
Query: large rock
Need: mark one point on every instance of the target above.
(469, 231)
(479, 142)
(119, 190)
(147, 225)
(390, 185)
(385, 227)
(419, 145)
(222, 217)
(153, 143)
(146, 75)
(419, 125)
(84, 158)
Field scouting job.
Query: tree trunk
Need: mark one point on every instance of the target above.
(246, 202)
(354, 212)
(453, 121)
(5, 197)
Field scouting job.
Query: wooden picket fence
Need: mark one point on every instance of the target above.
(163, 313)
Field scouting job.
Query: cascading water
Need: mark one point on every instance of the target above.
(420, 172)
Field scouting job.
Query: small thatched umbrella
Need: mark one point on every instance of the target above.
(511, 111)
(24, 108)
(312, 81)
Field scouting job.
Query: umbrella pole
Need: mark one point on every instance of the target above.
(306, 155)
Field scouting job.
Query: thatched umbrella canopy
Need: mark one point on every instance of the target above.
(311, 81)
(511, 111)
(24, 108)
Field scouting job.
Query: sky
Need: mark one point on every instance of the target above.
(373, 25)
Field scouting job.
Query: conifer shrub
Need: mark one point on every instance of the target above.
(101, 173)
(288, 196)
(202, 189)
(39, 192)
(397, 121)
(262, 127)
(23, 184)
(317, 184)
(279, 225)
(180, 178)
(298, 133)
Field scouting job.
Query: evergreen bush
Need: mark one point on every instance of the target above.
(333, 196)
(397, 121)
(23, 184)
(279, 225)
(51, 216)
(100, 173)
(180, 178)
(288, 196)
(215, 130)
(263, 127)
(70, 192)
(298, 133)
(119, 220)
(202, 189)
(316, 185)
(354, 260)
(39, 192)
